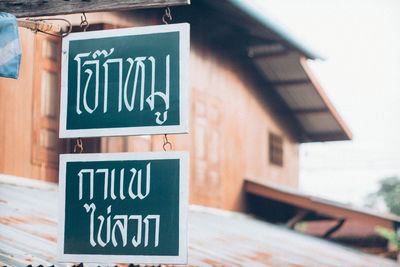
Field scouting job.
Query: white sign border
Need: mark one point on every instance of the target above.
(184, 51)
(183, 157)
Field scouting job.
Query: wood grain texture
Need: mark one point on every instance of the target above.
(16, 114)
(36, 8)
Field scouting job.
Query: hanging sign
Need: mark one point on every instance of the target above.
(123, 208)
(128, 81)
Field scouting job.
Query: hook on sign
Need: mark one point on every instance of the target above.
(166, 142)
(79, 144)
(167, 15)
(84, 23)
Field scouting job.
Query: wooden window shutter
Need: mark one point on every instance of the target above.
(46, 97)
(275, 149)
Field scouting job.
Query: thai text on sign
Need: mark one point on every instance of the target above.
(124, 207)
(125, 82)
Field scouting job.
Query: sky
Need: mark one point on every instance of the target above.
(360, 73)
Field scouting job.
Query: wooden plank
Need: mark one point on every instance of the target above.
(39, 25)
(334, 229)
(300, 215)
(36, 8)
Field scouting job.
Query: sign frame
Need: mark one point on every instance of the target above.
(184, 51)
(182, 256)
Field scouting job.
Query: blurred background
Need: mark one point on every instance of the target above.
(360, 42)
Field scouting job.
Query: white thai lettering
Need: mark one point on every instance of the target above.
(139, 183)
(123, 229)
(108, 228)
(138, 239)
(110, 183)
(91, 181)
(157, 229)
(121, 223)
(89, 102)
(91, 227)
(105, 171)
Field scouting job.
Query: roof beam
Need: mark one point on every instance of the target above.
(310, 111)
(327, 136)
(300, 215)
(334, 229)
(36, 8)
(290, 82)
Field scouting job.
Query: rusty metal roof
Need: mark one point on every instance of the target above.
(28, 230)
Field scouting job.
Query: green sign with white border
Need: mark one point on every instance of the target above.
(130, 81)
(123, 207)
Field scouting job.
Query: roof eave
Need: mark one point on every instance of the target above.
(277, 29)
(346, 134)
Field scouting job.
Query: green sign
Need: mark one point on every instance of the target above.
(128, 81)
(123, 208)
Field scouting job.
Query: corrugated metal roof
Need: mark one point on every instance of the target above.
(300, 97)
(28, 227)
(318, 122)
(277, 69)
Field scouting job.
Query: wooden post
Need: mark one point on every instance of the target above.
(39, 25)
(36, 8)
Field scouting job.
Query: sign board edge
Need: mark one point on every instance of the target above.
(184, 52)
(184, 158)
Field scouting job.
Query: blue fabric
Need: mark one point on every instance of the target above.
(10, 46)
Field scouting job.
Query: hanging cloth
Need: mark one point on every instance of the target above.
(10, 46)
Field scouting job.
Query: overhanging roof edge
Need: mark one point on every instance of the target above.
(327, 102)
(256, 14)
(295, 197)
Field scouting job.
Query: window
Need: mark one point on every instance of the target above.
(46, 144)
(275, 149)
(49, 99)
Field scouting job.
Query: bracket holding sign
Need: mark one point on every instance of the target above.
(130, 81)
(123, 207)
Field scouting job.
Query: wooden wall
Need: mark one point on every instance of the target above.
(18, 116)
(230, 128)
(229, 124)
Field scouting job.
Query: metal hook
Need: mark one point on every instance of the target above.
(69, 28)
(84, 23)
(79, 144)
(166, 142)
(167, 15)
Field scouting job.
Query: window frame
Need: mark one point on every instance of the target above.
(275, 149)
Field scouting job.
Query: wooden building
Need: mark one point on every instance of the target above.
(253, 100)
